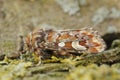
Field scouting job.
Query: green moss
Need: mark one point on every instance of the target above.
(117, 65)
(12, 71)
(94, 72)
(116, 43)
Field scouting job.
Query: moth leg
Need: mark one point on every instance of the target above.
(40, 54)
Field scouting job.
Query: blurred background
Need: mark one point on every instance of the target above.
(19, 17)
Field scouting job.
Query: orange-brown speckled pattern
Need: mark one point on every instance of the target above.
(85, 39)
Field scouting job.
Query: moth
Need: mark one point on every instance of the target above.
(64, 41)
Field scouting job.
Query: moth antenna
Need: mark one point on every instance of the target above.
(96, 32)
(92, 30)
(88, 28)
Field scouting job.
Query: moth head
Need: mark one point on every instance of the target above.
(34, 38)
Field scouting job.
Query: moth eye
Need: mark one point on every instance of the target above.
(28, 45)
(38, 39)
